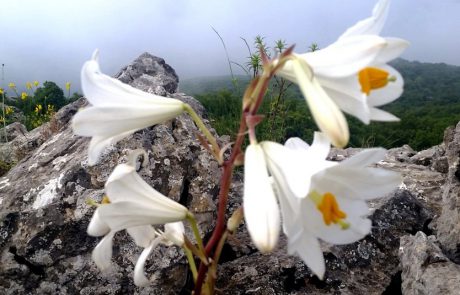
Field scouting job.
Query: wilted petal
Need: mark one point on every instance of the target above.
(260, 207)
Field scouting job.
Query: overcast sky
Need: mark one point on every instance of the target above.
(50, 39)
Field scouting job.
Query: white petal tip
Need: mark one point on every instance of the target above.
(97, 227)
(95, 55)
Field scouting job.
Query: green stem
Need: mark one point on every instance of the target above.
(196, 232)
(203, 128)
(195, 251)
(191, 263)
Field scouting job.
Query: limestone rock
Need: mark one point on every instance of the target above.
(365, 267)
(425, 269)
(12, 131)
(448, 224)
(150, 74)
(44, 248)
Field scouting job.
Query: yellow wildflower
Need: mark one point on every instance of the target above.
(23, 95)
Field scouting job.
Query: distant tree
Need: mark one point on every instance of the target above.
(51, 94)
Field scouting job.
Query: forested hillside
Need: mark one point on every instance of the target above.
(430, 103)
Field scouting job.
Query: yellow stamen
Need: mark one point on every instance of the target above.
(330, 209)
(105, 200)
(373, 78)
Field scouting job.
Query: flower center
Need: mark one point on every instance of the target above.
(329, 208)
(373, 78)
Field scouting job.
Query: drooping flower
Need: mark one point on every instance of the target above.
(261, 210)
(134, 206)
(24, 95)
(117, 110)
(172, 235)
(67, 86)
(28, 85)
(319, 199)
(353, 73)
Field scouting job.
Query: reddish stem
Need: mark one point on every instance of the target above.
(225, 185)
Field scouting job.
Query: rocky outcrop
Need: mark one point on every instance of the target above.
(44, 248)
(448, 223)
(150, 74)
(369, 266)
(425, 269)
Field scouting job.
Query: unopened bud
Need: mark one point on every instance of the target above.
(234, 221)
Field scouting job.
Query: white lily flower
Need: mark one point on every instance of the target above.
(322, 199)
(173, 235)
(352, 73)
(134, 206)
(117, 109)
(261, 211)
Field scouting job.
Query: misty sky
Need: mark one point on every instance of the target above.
(50, 39)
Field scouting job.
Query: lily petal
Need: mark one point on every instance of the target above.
(97, 227)
(117, 110)
(372, 25)
(102, 253)
(352, 180)
(139, 277)
(389, 93)
(394, 48)
(125, 184)
(103, 90)
(334, 233)
(308, 249)
(327, 115)
(260, 207)
(345, 57)
(174, 232)
(142, 235)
